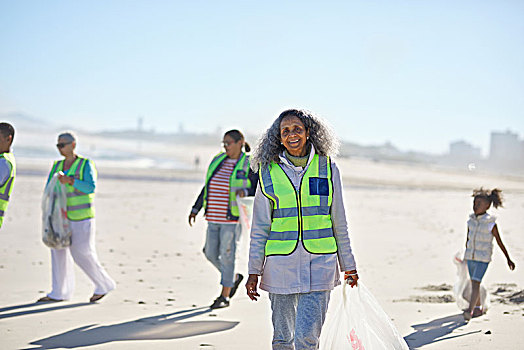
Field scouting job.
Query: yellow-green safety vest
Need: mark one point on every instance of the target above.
(80, 205)
(238, 180)
(7, 187)
(303, 215)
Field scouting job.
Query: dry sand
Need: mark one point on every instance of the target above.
(406, 223)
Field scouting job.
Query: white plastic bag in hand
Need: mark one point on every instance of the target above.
(360, 324)
(462, 287)
(56, 231)
(245, 208)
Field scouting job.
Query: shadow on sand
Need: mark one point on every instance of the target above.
(435, 331)
(158, 327)
(38, 308)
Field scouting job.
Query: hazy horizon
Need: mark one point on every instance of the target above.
(24, 123)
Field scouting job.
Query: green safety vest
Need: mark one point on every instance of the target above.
(80, 205)
(239, 180)
(7, 187)
(302, 215)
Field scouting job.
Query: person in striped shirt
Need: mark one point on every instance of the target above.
(228, 176)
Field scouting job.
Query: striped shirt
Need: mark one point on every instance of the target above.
(218, 193)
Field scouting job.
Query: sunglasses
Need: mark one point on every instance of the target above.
(62, 144)
(227, 144)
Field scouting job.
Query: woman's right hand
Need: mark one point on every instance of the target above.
(251, 287)
(192, 216)
(64, 179)
(351, 278)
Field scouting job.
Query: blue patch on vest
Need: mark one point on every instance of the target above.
(241, 174)
(318, 186)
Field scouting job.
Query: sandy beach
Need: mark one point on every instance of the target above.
(406, 223)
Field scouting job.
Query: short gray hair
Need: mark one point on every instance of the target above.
(321, 135)
(68, 135)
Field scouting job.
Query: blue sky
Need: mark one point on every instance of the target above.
(417, 73)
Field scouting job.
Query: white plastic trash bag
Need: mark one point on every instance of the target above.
(360, 324)
(245, 207)
(462, 287)
(56, 231)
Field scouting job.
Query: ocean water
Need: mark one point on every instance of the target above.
(103, 158)
(39, 148)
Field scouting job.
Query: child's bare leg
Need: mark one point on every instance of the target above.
(475, 299)
(477, 311)
(475, 295)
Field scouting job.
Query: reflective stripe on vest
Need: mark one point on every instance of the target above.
(80, 205)
(7, 187)
(238, 180)
(300, 215)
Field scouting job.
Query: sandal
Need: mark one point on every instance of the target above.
(96, 297)
(47, 299)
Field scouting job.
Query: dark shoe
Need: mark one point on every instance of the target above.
(96, 297)
(47, 299)
(235, 286)
(220, 302)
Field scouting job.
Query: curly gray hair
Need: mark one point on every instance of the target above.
(321, 135)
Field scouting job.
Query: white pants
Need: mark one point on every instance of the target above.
(82, 251)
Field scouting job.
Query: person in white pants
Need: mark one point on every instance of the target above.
(79, 175)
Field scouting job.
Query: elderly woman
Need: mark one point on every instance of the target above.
(228, 176)
(299, 234)
(79, 175)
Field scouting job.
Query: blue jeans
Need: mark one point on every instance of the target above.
(220, 249)
(298, 319)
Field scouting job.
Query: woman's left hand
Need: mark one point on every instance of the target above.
(351, 278)
(240, 193)
(251, 287)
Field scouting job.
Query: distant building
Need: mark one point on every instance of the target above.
(506, 147)
(388, 150)
(461, 150)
